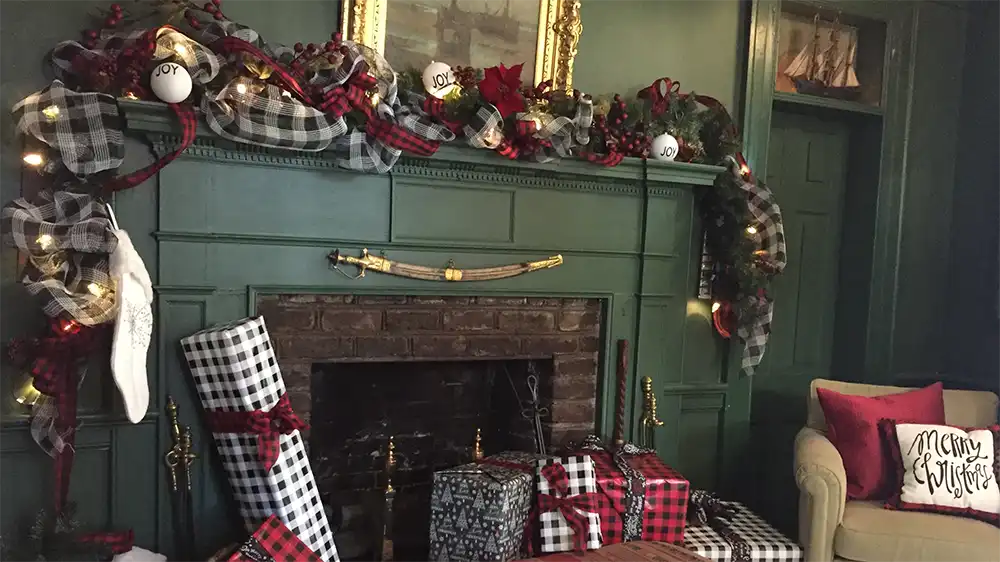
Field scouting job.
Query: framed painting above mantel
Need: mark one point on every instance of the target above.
(542, 34)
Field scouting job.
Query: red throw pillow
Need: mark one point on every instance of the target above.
(852, 426)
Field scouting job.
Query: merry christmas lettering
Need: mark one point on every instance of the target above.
(959, 468)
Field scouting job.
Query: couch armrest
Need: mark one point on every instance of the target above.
(819, 474)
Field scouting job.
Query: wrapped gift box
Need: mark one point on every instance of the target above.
(636, 551)
(568, 481)
(479, 510)
(273, 542)
(234, 370)
(763, 543)
(641, 498)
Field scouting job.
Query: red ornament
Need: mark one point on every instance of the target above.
(500, 86)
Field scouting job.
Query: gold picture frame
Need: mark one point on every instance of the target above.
(559, 29)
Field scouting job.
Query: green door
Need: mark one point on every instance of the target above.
(807, 161)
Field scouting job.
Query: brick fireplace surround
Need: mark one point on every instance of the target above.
(445, 344)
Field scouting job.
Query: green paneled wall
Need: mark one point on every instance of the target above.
(697, 42)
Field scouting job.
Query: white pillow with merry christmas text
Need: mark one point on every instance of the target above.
(948, 470)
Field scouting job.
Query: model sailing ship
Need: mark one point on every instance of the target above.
(826, 72)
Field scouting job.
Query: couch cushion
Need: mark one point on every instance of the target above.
(870, 533)
(852, 426)
(962, 408)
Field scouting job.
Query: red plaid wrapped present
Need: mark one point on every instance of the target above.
(273, 542)
(640, 498)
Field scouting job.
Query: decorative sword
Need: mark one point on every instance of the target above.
(449, 273)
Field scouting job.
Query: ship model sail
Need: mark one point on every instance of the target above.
(826, 72)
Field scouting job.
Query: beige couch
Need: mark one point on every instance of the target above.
(832, 528)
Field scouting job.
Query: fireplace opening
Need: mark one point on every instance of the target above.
(432, 410)
(427, 370)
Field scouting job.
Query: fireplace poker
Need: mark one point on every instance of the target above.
(534, 410)
(187, 459)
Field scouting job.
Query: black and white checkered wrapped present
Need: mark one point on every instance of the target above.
(568, 516)
(766, 544)
(237, 376)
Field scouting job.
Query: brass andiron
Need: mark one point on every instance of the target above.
(649, 419)
(477, 448)
(179, 459)
(384, 548)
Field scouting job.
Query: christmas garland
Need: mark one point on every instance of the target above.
(343, 95)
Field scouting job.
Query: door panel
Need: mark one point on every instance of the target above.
(806, 170)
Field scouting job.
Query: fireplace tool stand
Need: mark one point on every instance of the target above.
(178, 460)
(650, 421)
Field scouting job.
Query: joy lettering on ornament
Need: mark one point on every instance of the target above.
(441, 80)
(960, 468)
(668, 151)
(166, 68)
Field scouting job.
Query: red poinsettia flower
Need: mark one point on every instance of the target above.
(500, 86)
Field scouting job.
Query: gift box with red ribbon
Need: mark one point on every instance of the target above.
(568, 516)
(273, 542)
(640, 497)
(257, 433)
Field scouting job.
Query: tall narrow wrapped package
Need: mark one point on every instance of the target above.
(257, 433)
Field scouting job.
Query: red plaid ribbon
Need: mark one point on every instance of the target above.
(610, 159)
(268, 426)
(337, 101)
(273, 541)
(53, 363)
(118, 542)
(394, 136)
(231, 45)
(189, 128)
(573, 508)
(435, 108)
(661, 100)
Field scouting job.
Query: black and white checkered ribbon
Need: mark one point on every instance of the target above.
(635, 484)
(43, 421)
(67, 238)
(564, 133)
(85, 128)
(770, 237)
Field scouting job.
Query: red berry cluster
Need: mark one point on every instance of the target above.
(616, 134)
(309, 57)
(212, 8)
(117, 71)
(111, 20)
(466, 76)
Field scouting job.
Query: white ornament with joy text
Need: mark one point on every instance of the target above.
(170, 82)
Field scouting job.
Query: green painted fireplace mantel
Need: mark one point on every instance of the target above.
(225, 223)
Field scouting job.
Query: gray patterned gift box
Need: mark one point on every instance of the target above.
(763, 543)
(478, 510)
(237, 377)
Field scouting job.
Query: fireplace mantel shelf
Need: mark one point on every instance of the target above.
(155, 121)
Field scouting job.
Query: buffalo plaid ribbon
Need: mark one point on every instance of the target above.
(86, 128)
(274, 542)
(67, 238)
(55, 365)
(116, 542)
(279, 420)
(189, 129)
(572, 508)
(707, 509)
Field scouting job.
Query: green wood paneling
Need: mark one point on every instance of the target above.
(922, 276)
